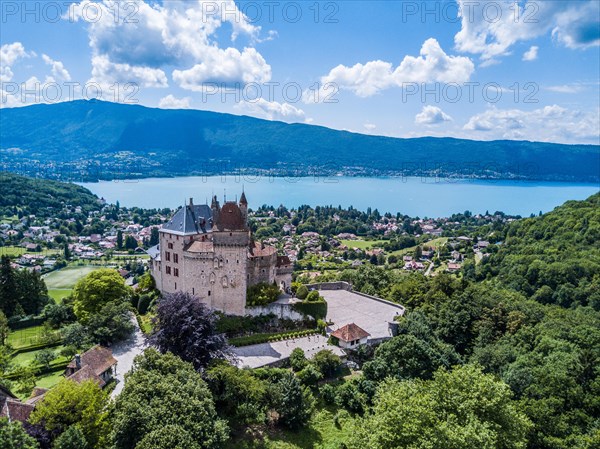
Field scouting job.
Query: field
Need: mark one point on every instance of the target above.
(322, 432)
(66, 278)
(59, 293)
(25, 358)
(435, 243)
(363, 244)
(24, 337)
(49, 380)
(16, 251)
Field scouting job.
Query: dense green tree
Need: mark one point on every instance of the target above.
(72, 438)
(113, 322)
(12, 436)
(239, 396)
(298, 359)
(163, 391)
(458, 409)
(293, 403)
(8, 288)
(97, 289)
(69, 403)
(326, 362)
(4, 329)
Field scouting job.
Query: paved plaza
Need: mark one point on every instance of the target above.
(343, 307)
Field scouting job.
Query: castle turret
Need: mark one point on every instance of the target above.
(244, 207)
(215, 209)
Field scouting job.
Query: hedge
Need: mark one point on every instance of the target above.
(40, 369)
(36, 347)
(269, 338)
(318, 310)
(27, 322)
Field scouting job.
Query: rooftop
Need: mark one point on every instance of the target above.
(350, 332)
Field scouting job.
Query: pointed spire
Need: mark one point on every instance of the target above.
(243, 199)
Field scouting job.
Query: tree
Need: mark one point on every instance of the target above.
(8, 288)
(187, 328)
(460, 409)
(130, 242)
(97, 289)
(72, 438)
(58, 314)
(45, 357)
(239, 396)
(70, 403)
(326, 362)
(4, 329)
(298, 359)
(153, 236)
(293, 403)
(171, 436)
(119, 239)
(112, 323)
(179, 400)
(13, 436)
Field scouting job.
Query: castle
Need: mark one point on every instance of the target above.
(209, 252)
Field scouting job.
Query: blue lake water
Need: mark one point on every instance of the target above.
(423, 197)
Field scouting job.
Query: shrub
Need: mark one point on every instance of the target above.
(298, 359)
(326, 362)
(262, 294)
(302, 292)
(144, 303)
(314, 297)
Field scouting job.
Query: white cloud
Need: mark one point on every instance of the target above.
(491, 28)
(105, 73)
(9, 55)
(171, 102)
(432, 65)
(431, 115)
(58, 69)
(531, 54)
(548, 124)
(175, 34)
(370, 127)
(227, 66)
(273, 110)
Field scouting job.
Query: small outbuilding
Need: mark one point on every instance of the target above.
(350, 336)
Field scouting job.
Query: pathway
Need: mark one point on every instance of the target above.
(125, 352)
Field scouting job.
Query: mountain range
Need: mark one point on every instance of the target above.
(92, 139)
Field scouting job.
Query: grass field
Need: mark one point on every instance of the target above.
(59, 293)
(321, 433)
(363, 244)
(66, 278)
(24, 337)
(435, 243)
(49, 380)
(25, 358)
(16, 251)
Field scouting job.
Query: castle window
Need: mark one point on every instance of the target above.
(168, 256)
(176, 272)
(209, 293)
(230, 234)
(170, 246)
(168, 269)
(175, 285)
(193, 292)
(177, 237)
(176, 258)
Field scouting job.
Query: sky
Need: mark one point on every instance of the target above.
(485, 70)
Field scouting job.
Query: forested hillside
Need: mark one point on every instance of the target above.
(554, 259)
(36, 196)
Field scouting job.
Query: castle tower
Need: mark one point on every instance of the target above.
(244, 207)
(215, 209)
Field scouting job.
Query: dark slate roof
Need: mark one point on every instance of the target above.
(154, 251)
(191, 219)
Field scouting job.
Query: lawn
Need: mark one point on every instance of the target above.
(59, 293)
(24, 337)
(435, 244)
(363, 244)
(321, 433)
(25, 358)
(66, 278)
(49, 380)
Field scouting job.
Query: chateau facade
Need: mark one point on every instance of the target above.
(209, 252)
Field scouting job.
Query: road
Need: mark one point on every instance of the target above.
(125, 352)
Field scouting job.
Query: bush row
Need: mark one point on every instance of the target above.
(269, 338)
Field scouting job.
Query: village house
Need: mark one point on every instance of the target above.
(97, 364)
(350, 336)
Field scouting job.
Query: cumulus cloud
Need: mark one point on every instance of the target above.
(273, 110)
(491, 28)
(171, 102)
(227, 66)
(549, 124)
(58, 69)
(431, 115)
(177, 33)
(432, 65)
(9, 55)
(106, 72)
(531, 54)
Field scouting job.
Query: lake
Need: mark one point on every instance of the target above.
(422, 197)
